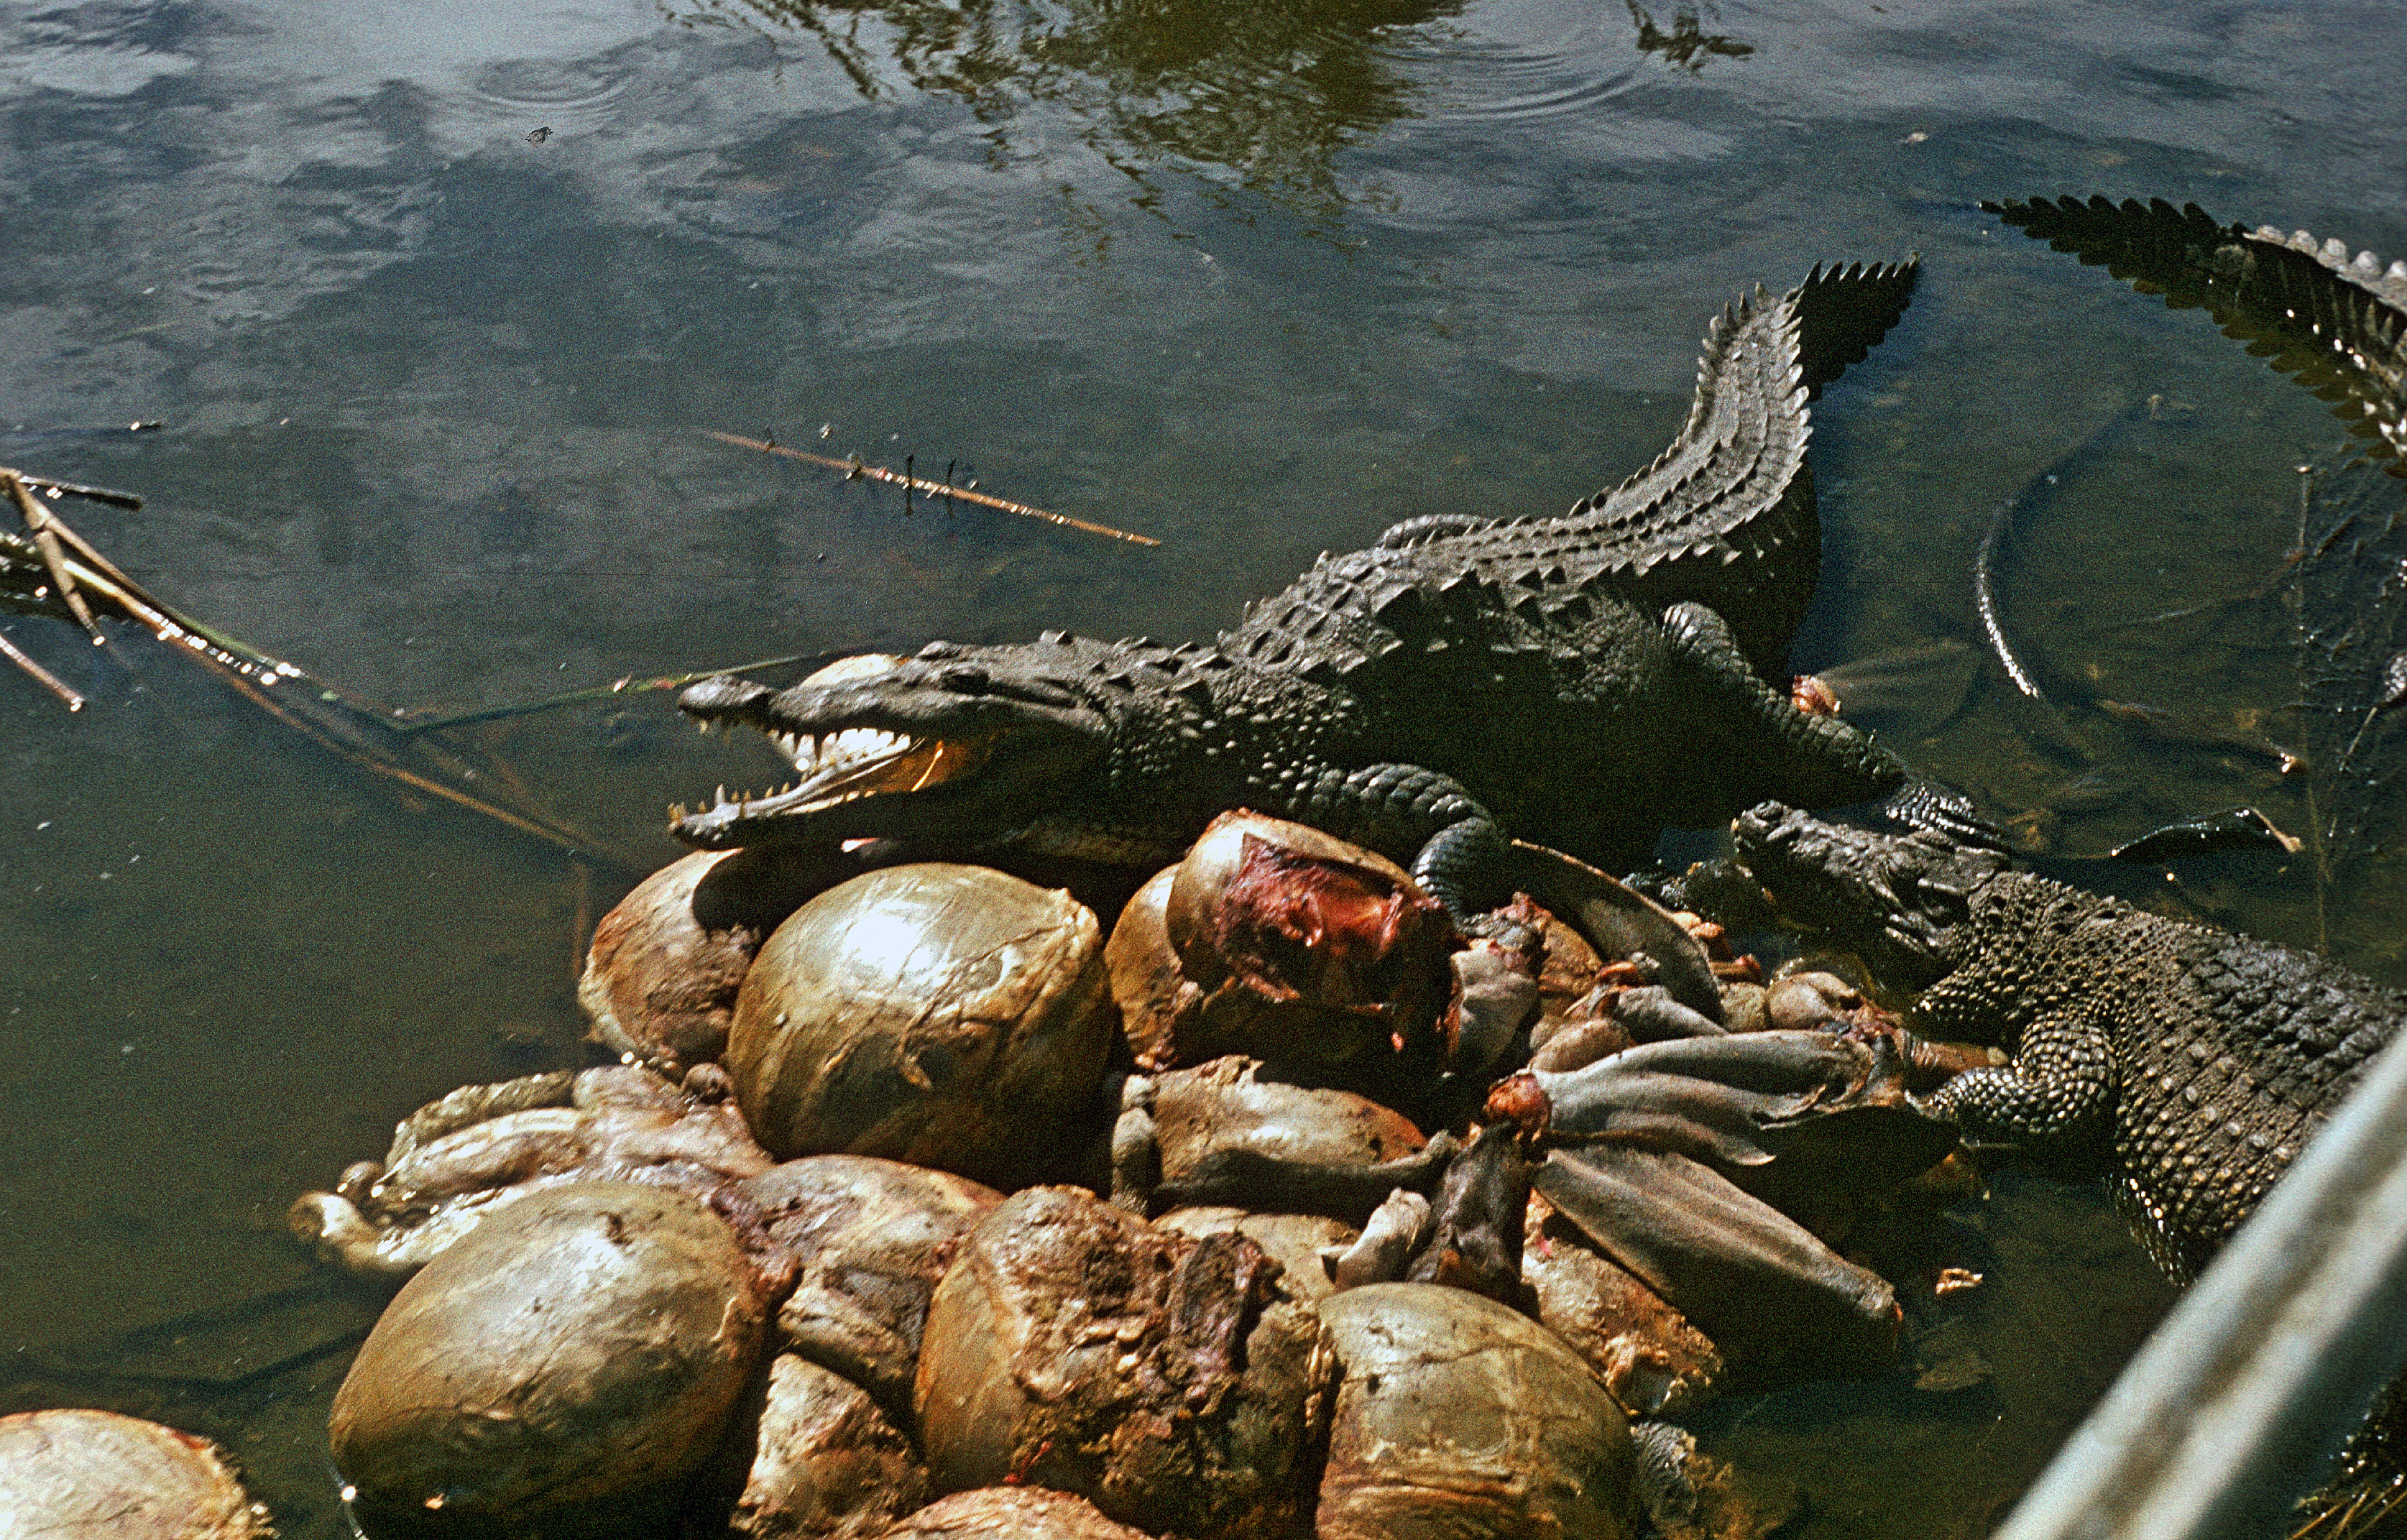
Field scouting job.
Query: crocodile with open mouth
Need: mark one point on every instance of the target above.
(1586, 679)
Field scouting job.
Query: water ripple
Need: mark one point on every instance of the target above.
(569, 93)
(1539, 75)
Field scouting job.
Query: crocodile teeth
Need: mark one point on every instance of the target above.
(815, 755)
(856, 763)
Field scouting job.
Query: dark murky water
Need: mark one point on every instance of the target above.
(1257, 281)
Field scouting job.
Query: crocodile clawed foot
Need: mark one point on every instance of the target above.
(1922, 802)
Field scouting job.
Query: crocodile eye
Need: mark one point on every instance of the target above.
(941, 650)
(968, 680)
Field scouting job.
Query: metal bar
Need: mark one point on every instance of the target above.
(2232, 1411)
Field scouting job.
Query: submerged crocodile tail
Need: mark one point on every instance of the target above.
(2336, 321)
(1844, 312)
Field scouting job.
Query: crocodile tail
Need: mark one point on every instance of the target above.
(1843, 312)
(1726, 515)
(2335, 322)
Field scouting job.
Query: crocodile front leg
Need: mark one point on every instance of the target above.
(1779, 750)
(2057, 1098)
(1458, 849)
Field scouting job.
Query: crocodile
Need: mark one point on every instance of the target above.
(1588, 679)
(2190, 1064)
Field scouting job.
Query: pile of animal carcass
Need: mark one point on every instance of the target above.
(916, 1208)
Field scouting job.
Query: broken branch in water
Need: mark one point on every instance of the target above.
(76, 488)
(935, 489)
(43, 527)
(41, 676)
(369, 737)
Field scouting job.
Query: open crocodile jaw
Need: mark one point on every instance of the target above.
(837, 770)
(946, 747)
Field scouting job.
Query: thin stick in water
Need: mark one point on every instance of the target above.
(41, 676)
(418, 721)
(126, 500)
(580, 936)
(332, 720)
(910, 483)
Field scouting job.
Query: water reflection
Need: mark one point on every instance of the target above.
(1270, 92)
(1274, 95)
(1687, 44)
